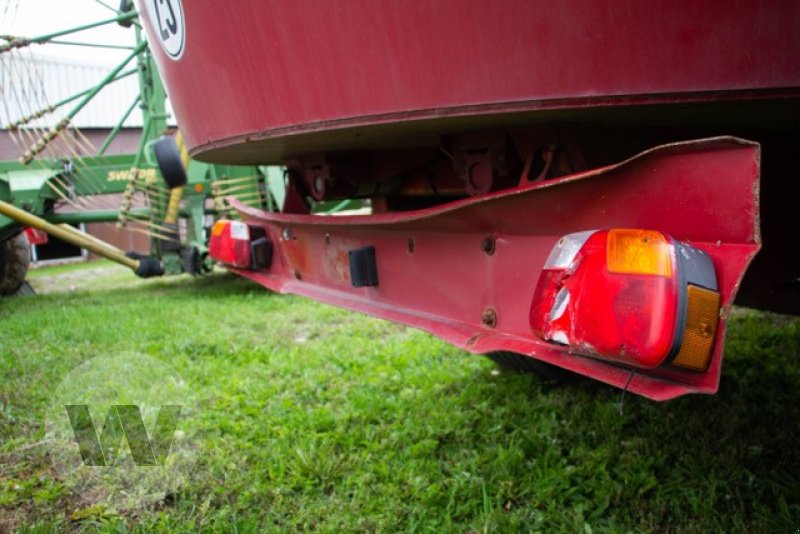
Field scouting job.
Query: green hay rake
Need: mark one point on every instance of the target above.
(165, 195)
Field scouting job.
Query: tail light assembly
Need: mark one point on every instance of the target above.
(237, 244)
(632, 296)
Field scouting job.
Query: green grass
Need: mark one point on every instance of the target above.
(314, 418)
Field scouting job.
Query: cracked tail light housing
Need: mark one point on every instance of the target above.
(237, 244)
(633, 296)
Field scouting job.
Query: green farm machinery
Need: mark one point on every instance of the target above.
(157, 190)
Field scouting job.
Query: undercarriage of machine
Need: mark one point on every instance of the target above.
(474, 163)
(463, 165)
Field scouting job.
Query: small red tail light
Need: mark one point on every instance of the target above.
(36, 236)
(624, 295)
(237, 244)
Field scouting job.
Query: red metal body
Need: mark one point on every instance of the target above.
(262, 80)
(483, 131)
(436, 274)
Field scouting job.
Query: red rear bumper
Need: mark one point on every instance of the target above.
(437, 273)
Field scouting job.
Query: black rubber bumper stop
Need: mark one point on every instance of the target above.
(148, 266)
(363, 267)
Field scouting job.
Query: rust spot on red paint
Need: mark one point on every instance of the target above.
(296, 254)
(336, 264)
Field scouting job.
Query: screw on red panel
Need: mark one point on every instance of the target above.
(487, 245)
(489, 317)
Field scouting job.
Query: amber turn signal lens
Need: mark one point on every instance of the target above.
(219, 227)
(702, 316)
(632, 251)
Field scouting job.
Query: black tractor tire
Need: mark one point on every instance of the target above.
(24, 290)
(525, 364)
(15, 257)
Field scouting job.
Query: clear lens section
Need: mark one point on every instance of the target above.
(239, 230)
(565, 250)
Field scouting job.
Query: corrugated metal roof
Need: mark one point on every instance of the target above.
(31, 82)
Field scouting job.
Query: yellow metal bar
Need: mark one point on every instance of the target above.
(176, 193)
(252, 178)
(174, 205)
(244, 187)
(149, 233)
(72, 236)
(182, 149)
(81, 235)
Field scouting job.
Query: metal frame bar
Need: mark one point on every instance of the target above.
(113, 133)
(18, 42)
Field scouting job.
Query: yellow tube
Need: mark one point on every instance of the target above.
(174, 204)
(176, 194)
(182, 149)
(71, 236)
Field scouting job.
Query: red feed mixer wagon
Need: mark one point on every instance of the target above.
(586, 185)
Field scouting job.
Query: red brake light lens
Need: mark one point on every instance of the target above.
(621, 295)
(230, 243)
